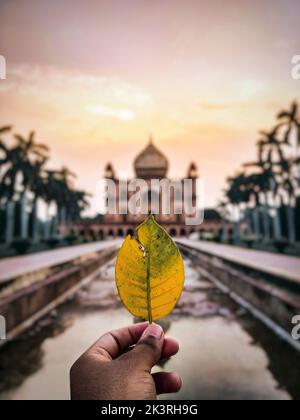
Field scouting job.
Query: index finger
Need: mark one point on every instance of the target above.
(115, 342)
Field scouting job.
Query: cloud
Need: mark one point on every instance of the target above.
(66, 87)
(106, 111)
(242, 93)
(250, 88)
(211, 106)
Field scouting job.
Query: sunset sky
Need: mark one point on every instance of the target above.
(94, 78)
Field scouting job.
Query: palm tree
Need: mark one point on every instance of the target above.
(3, 147)
(4, 160)
(11, 165)
(59, 191)
(33, 158)
(51, 193)
(249, 194)
(20, 163)
(78, 201)
(32, 152)
(37, 187)
(19, 160)
(22, 171)
(5, 156)
(272, 179)
(255, 187)
(270, 143)
(235, 195)
(270, 147)
(259, 183)
(5, 129)
(30, 147)
(288, 186)
(223, 210)
(64, 200)
(286, 183)
(291, 119)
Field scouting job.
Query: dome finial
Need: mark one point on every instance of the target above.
(150, 138)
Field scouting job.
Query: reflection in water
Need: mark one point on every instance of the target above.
(225, 353)
(283, 361)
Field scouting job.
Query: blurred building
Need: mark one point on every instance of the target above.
(150, 164)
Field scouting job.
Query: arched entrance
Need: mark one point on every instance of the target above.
(130, 232)
(120, 233)
(92, 234)
(111, 233)
(182, 232)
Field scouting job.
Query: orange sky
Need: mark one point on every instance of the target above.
(95, 78)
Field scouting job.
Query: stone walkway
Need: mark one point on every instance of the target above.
(11, 268)
(275, 264)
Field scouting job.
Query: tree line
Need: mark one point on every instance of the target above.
(25, 180)
(262, 198)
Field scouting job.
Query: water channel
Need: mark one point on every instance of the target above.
(225, 353)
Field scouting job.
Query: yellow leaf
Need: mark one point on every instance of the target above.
(149, 272)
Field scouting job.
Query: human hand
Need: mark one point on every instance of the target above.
(118, 366)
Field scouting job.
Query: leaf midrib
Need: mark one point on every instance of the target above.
(148, 286)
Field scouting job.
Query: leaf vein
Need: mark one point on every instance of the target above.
(164, 293)
(161, 284)
(164, 304)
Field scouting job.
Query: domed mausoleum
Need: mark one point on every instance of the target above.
(149, 164)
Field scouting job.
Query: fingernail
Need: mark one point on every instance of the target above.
(153, 330)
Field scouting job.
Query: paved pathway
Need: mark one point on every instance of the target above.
(16, 266)
(279, 265)
(276, 264)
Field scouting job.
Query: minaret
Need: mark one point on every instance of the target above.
(109, 171)
(192, 171)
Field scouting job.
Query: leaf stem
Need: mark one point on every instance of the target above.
(149, 288)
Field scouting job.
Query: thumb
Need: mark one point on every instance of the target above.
(147, 351)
